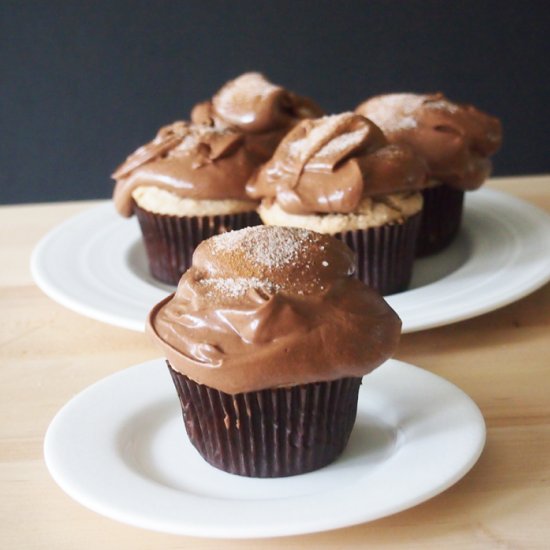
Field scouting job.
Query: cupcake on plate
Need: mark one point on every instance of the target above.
(339, 176)
(456, 142)
(185, 186)
(263, 111)
(267, 338)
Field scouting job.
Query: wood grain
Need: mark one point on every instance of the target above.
(501, 359)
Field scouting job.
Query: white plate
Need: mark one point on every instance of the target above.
(120, 448)
(95, 264)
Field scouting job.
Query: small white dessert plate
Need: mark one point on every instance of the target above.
(95, 264)
(120, 448)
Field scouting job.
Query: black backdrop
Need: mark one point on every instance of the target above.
(83, 83)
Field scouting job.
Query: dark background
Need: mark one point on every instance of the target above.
(84, 83)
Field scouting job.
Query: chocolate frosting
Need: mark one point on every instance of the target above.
(454, 139)
(269, 307)
(190, 161)
(330, 164)
(265, 112)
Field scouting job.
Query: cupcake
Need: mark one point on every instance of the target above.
(455, 141)
(339, 176)
(185, 186)
(263, 111)
(267, 338)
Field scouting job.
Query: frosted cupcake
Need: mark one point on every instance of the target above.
(185, 186)
(339, 176)
(263, 111)
(267, 339)
(456, 142)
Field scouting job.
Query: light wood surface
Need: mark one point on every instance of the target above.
(501, 359)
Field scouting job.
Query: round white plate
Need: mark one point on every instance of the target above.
(95, 264)
(120, 449)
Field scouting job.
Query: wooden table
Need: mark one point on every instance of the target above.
(502, 360)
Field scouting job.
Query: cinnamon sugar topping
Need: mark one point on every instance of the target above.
(454, 140)
(302, 321)
(268, 260)
(321, 133)
(238, 286)
(344, 143)
(248, 85)
(394, 112)
(271, 249)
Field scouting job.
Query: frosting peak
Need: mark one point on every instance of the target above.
(189, 160)
(454, 139)
(330, 164)
(257, 107)
(267, 307)
(290, 259)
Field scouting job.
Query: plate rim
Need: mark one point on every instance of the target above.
(531, 213)
(56, 293)
(257, 531)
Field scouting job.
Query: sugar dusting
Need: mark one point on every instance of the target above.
(266, 250)
(344, 143)
(395, 112)
(242, 91)
(320, 136)
(265, 247)
(237, 286)
(443, 105)
(390, 153)
(264, 259)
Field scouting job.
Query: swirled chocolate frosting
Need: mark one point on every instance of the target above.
(189, 160)
(269, 307)
(331, 163)
(456, 140)
(265, 112)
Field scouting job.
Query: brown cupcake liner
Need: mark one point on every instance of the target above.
(269, 433)
(441, 218)
(385, 254)
(171, 240)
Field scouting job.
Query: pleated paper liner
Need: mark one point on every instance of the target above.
(441, 217)
(269, 433)
(171, 240)
(385, 254)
